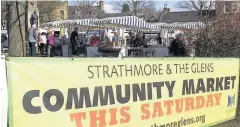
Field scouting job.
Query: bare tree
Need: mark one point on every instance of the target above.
(135, 6)
(221, 38)
(46, 9)
(125, 8)
(196, 5)
(86, 9)
(3, 13)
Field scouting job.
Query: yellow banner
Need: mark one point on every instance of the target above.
(62, 32)
(152, 92)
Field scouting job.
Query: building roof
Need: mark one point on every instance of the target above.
(184, 16)
(107, 15)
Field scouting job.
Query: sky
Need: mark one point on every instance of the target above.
(108, 8)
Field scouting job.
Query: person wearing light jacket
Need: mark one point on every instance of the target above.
(32, 37)
(81, 42)
(43, 43)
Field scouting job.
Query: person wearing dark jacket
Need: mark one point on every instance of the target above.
(74, 34)
(159, 39)
(177, 47)
(138, 41)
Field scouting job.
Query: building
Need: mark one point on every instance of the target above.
(53, 11)
(178, 21)
(227, 6)
(173, 23)
(171, 17)
(60, 12)
(86, 11)
(108, 15)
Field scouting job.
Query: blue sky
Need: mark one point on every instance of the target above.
(169, 3)
(109, 8)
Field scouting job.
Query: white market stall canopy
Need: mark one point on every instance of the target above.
(178, 25)
(66, 23)
(131, 22)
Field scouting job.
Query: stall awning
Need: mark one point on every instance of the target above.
(126, 21)
(77, 22)
(178, 25)
(129, 22)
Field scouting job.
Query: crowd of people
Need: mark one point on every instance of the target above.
(44, 42)
(79, 42)
(181, 46)
(140, 40)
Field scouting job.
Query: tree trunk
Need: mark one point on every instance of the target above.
(16, 28)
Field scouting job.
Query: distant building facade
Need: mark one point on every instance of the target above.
(85, 12)
(227, 6)
(61, 11)
(58, 11)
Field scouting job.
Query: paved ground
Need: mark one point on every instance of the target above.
(232, 123)
(235, 122)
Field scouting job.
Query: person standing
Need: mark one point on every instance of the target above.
(46, 47)
(39, 43)
(137, 41)
(43, 43)
(94, 40)
(32, 37)
(74, 34)
(144, 37)
(190, 47)
(115, 39)
(177, 47)
(131, 39)
(50, 43)
(106, 41)
(159, 39)
(2, 44)
(80, 44)
(4, 41)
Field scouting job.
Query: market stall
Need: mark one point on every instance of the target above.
(82, 24)
(168, 31)
(134, 24)
(112, 25)
(178, 25)
(131, 22)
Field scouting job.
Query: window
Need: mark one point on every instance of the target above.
(227, 6)
(234, 8)
(76, 12)
(62, 14)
